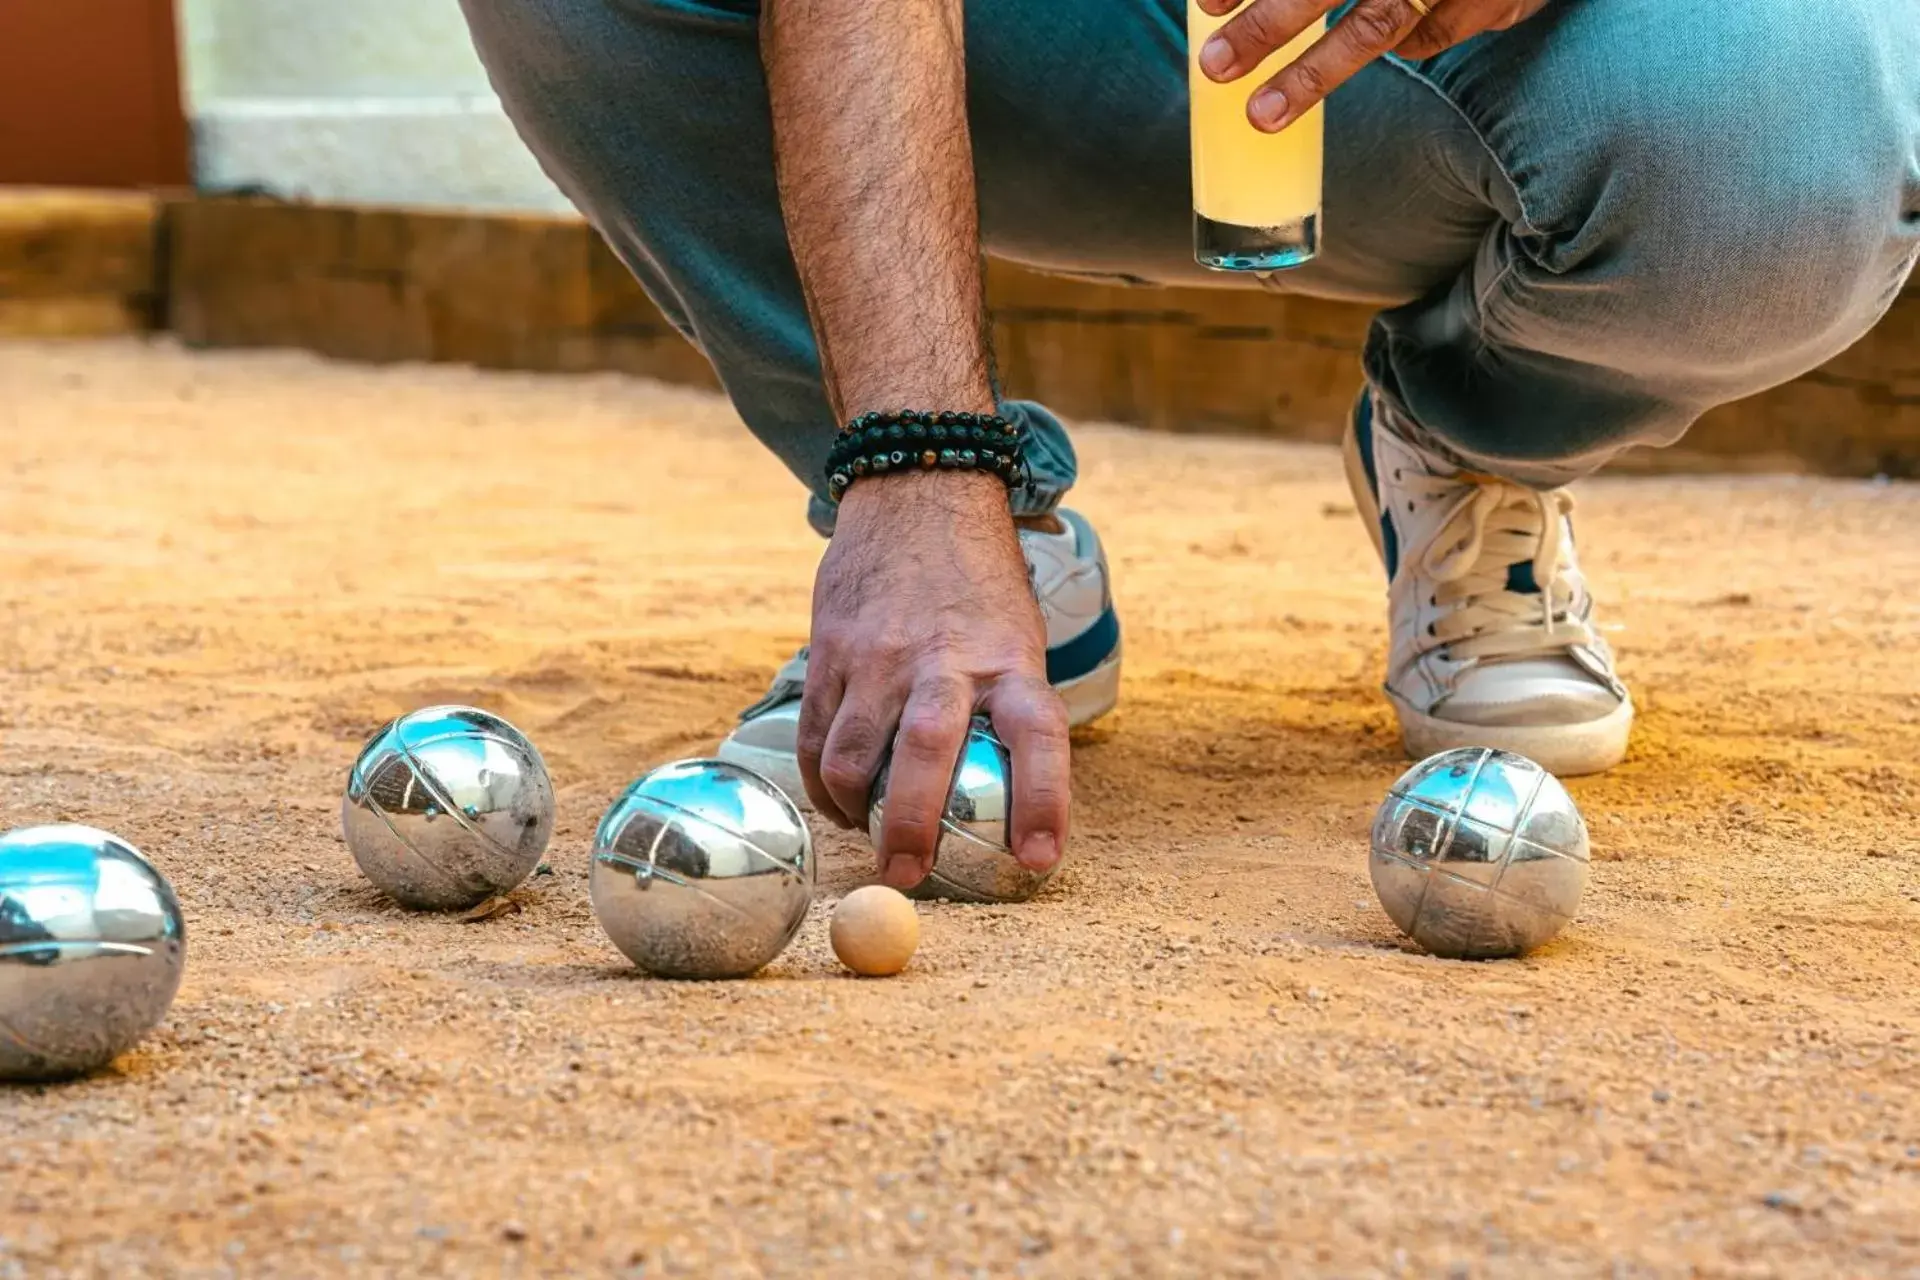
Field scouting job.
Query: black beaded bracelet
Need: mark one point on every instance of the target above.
(876, 443)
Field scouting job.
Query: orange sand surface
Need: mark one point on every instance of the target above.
(1203, 1051)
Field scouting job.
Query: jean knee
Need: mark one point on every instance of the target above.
(1746, 219)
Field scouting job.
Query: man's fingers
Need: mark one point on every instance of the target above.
(1368, 30)
(1242, 43)
(1454, 21)
(855, 745)
(1434, 35)
(1032, 721)
(819, 705)
(1451, 22)
(926, 750)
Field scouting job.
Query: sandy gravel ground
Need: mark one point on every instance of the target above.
(1203, 1052)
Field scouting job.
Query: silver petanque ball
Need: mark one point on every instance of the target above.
(91, 950)
(1479, 854)
(446, 807)
(701, 869)
(974, 860)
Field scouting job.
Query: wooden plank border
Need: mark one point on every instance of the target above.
(544, 293)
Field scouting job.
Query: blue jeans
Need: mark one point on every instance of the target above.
(1583, 233)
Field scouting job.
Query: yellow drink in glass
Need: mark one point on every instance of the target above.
(1256, 196)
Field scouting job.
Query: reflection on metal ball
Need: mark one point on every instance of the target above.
(91, 950)
(1479, 854)
(446, 807)
(702, 869)
(974, 860)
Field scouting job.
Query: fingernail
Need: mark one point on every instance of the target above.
(1216, 55)
(1268, 108)
(903, 871)
(1040, 852)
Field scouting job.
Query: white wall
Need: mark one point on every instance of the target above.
(370, 101)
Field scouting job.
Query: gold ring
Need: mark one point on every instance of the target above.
(1422, 8)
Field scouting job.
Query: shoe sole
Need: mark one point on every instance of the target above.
(1092, 695)
(1088, 697)
(1566, 750)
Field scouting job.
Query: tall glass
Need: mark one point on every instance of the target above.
(1256, 196)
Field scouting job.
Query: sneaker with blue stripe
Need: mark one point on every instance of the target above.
(1070, 578)
(1494, 642)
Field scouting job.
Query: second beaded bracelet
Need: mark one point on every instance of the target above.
(912, 439)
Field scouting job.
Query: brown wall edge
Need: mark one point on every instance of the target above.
(543, 293)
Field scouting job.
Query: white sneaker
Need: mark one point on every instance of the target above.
(1494, 643)
(1069, 572)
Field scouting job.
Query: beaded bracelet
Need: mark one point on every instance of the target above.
(916, 439)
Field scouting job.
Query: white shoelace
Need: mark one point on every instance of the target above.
(1491, 525)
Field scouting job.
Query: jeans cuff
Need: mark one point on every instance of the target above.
(1393, 416)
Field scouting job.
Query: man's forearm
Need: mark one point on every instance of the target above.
(923, 612)
(876, 182)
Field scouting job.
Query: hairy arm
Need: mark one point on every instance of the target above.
(876, 181)
(922, 608)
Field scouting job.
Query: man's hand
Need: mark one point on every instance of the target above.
(1371, 28)
(923, 613)
(922, 610)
